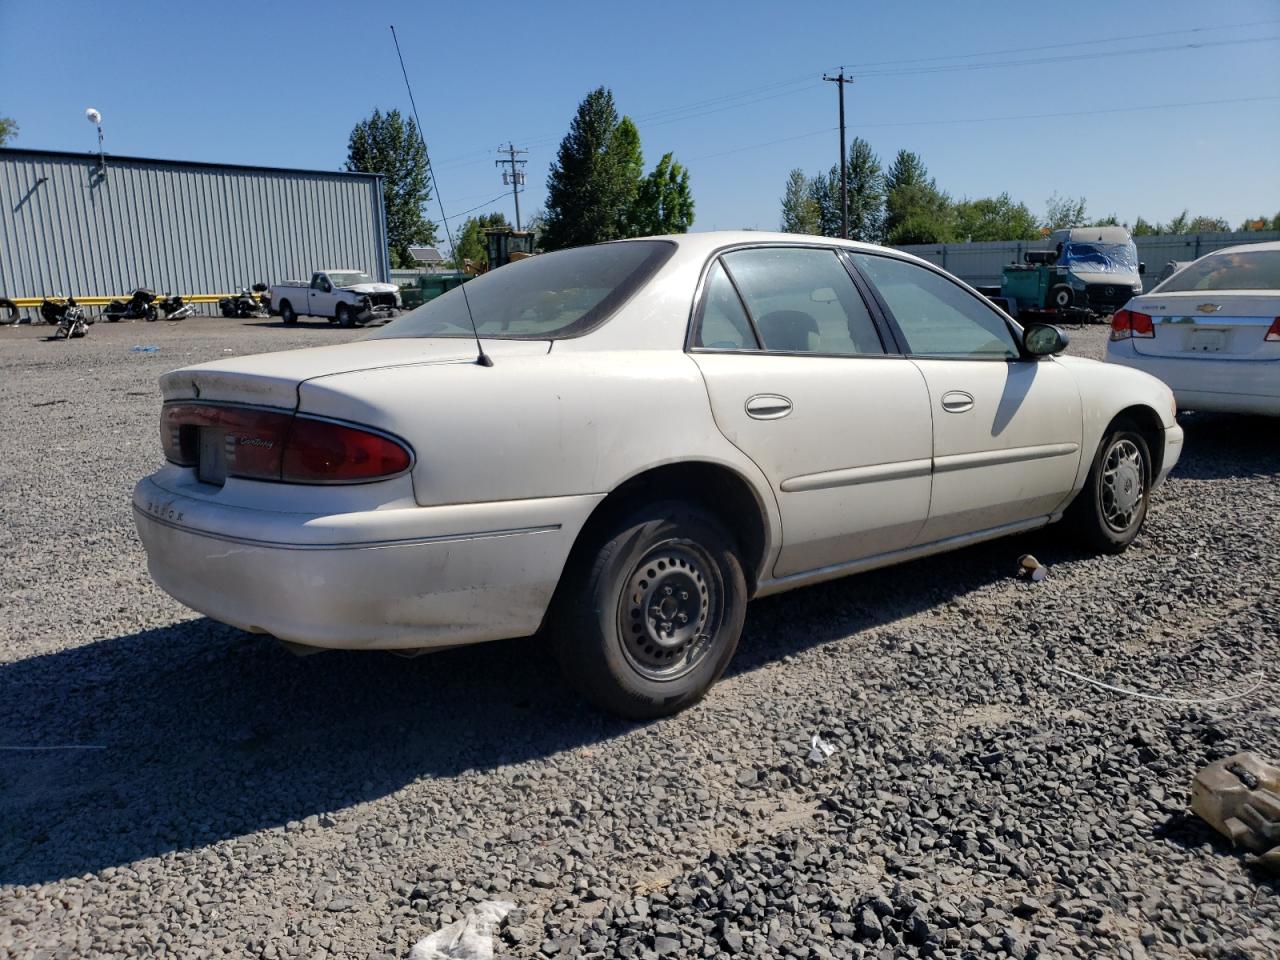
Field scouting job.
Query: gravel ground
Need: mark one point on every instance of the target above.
(238, 801)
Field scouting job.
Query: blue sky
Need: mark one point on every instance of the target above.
(720, 84)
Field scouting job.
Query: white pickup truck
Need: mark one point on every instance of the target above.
(345, 297)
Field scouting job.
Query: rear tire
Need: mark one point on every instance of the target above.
(8, 311)
(287, 316)
(1108, 513)
(650, 615)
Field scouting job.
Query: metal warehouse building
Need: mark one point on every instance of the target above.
(71, 225)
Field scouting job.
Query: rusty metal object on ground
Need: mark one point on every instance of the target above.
(1240, 798)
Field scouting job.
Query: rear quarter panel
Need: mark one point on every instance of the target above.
(560, 424)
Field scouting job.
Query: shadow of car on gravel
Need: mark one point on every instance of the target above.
(1221, 445)
(208, 733)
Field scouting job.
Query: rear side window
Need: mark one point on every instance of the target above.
(803, 301)
(1258, 270)
(724, 324)
(938, 318)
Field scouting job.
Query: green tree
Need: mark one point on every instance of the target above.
(800, 212)
(866, 190)
(1208, 225)
(1064, 212)
(995, 218)
(663, 203)
(1179, 224)
(594, 178)
(824, 193)
(1110, 220)
(389, 144)
(470, 244)
(1275, 222)
(8, 130)
(1141, 228)
(916, 211)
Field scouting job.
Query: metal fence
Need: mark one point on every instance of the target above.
(981, 264)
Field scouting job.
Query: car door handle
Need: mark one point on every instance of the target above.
(957, 401)
(768, 406)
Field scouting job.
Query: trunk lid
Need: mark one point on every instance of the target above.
(1224, 325)
(272, 379)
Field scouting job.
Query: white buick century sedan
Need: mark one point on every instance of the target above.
(644, 435)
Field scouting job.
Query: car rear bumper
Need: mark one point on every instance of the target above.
(1204, 383)
(449, 575)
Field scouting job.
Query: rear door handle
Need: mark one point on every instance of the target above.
(957, 401)
(768, 406)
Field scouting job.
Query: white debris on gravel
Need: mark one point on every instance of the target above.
(249, 803)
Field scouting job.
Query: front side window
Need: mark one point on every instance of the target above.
(937, 317)
(547, 297)
(1258, 270)
(803, 301)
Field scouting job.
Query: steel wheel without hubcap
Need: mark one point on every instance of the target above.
(669, 611)
(1122, 484)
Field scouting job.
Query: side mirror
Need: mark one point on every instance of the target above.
(1142, 268)
(1044, 339)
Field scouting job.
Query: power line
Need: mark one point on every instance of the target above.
(963, 120)
(1072, 43)
(463, 213)
(1065, 58)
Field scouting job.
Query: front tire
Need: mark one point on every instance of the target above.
(1110, 510)
(1061, 298)
(343, 316)
(649, 619)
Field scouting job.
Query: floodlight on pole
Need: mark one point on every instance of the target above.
(94, 117)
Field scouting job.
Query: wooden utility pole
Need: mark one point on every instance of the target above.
(840, 80)
(515, 175)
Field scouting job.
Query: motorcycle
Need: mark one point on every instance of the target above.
(247, 303)
(139, 306)
(174, 308)
(71, 321)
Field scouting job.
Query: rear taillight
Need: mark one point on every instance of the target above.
(1273, 334)
(321, 451)
(1130, 323)
(272, 445)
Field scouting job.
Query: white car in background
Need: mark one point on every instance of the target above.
(656, 431)
(1211, 331)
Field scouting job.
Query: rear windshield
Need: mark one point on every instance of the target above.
(1259, 270)
(547, 297)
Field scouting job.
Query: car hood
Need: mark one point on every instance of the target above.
(273, 379)
(371, 288)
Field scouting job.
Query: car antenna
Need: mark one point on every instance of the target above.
(482, 358)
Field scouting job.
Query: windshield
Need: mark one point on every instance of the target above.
(1100, 257)
(546, 297)
(349, 279)
(1228, 271)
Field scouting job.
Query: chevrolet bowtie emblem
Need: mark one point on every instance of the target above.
(1209, 307)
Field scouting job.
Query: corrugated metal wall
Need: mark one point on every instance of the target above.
(981, 264)
(177, 227)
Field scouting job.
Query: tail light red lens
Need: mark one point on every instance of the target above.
(1130, 323)
(320, 451)
(1273, 334)
(262, 444)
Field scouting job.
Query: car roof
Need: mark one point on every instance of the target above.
(707, 242)
(1269, 246)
